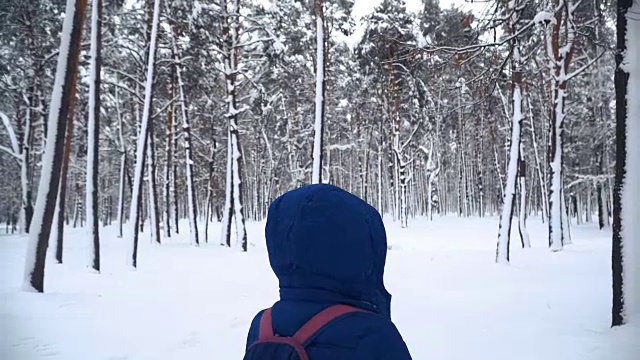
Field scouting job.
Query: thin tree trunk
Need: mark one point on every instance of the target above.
(152, 187)
(58, 232)
(141, 150)
(169, 154)
(123, 165)
(228, 201)
(543, 187)
(522, 218)
(504, 232)
(189, 160)
(320, 93)
(93, 130)
(26, 213)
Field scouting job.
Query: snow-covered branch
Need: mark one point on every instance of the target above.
(585, 67)
(12, 135)
(8, 151)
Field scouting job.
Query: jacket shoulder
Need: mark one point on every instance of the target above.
(254, 330)
(382, 341)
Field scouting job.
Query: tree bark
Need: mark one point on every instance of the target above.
(320, 93)
(141, 150)
(189, 160)
(626, 236)
(152, 187)
(233, 200)
(62, 106)
(93, 130)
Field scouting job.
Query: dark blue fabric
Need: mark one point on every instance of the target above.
(269, 350)
(328, 247)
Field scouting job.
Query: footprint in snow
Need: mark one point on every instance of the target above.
(46, 350)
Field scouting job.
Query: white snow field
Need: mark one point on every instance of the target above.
(451, 302)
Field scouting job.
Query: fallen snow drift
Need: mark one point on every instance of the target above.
(450, 300)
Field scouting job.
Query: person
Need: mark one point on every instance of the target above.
(328, 247)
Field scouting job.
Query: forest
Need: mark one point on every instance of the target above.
(135, 115)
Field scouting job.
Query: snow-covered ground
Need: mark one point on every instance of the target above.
(450, 300)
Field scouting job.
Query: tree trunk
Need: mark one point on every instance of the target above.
(504, 232)
(62, 106)
(141, 150)
(26, 212)
(626, 231)
(522, 218)
(169, 153)
(174, 183)
(93, 130)
(123, 164)
(320, 93)
(58, 232)
(233, 199)
(152, 187)
(189, 160)
(228, 201)
(543, 187)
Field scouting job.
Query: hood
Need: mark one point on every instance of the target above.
(328, 245)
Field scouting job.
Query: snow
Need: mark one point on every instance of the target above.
(450, 300)
(317, 129)
(543, 17)
(50, 146)
(631, 188)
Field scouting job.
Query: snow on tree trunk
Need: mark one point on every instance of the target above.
(587, 207)
(209, 203)
(626, 212)
(562, 28)
(228, 204)
(233, 198)
(123, 165)
(241, 233)
(320, 88)
(556, 237)
(402, 176)
(566, 223)
(522, 217)
(141, 149)
(169, 155)
(27, 207)
(504, 233)
(62, 106)
(186, 132)
(93, 131)
(21, 149)
(174, 181)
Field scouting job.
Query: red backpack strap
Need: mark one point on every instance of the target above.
(266, 326)
(318, 321)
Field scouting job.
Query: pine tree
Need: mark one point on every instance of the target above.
(62, 106)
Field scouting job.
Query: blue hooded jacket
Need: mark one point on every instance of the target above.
(328, 247)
